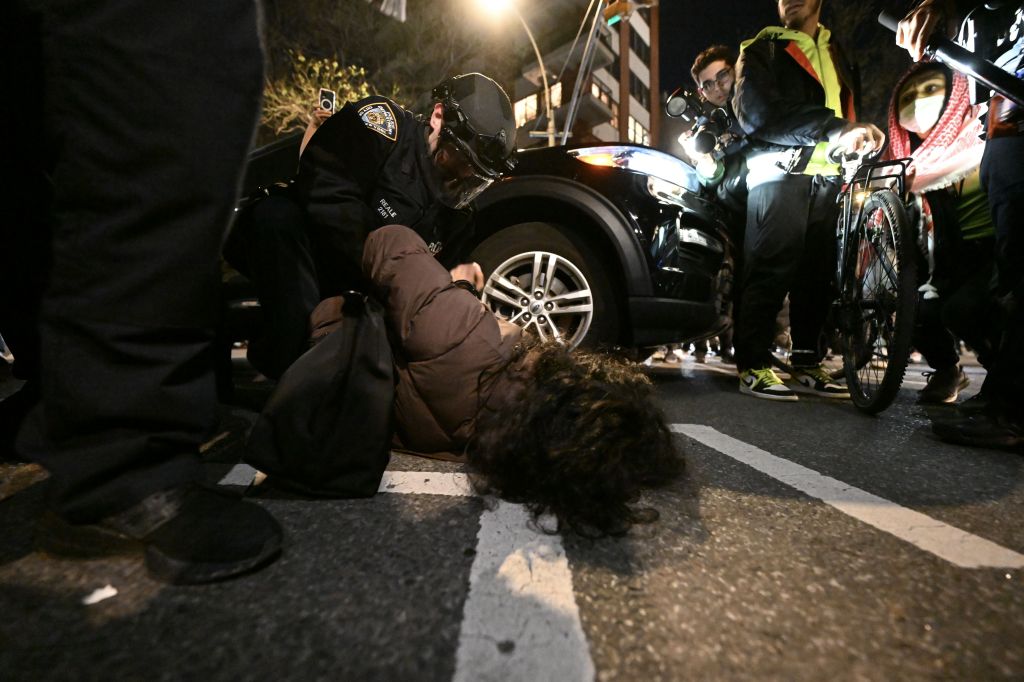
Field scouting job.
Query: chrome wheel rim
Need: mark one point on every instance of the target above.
(542, 292)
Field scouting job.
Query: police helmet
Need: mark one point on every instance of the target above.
(478, 119)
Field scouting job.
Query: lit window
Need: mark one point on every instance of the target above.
(526, 110)
(556, 95)
(595, 90)
(637, 133)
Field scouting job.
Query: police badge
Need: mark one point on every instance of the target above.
(379, 118)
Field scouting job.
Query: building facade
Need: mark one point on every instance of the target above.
(618, 90)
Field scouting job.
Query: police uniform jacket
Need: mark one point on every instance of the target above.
(452, 354)
(365, 167)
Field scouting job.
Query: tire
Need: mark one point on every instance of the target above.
(575, 305)
(876, 317)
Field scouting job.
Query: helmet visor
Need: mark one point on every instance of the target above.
(463, 178)
(487, 152)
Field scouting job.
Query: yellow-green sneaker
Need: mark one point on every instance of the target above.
(818, 381)
(764, 383)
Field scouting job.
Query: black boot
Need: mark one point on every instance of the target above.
(189, 535)
(13, 410)
(992, 428)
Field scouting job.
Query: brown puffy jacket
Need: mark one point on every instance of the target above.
(445, 340)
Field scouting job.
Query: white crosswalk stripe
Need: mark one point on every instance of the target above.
(941, 539)
(520, 620)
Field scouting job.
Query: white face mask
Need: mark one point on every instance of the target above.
(922, 114)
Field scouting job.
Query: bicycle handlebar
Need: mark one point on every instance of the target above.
(889, 20)
(838, 154)
(965, 61)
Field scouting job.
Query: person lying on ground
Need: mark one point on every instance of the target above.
(573, 433)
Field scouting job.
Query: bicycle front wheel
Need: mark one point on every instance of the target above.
(879, 298)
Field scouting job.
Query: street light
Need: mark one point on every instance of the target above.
(497, 6)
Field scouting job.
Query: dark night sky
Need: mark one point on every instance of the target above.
(688, 26)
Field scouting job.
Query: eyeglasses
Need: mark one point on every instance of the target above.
(721, 80)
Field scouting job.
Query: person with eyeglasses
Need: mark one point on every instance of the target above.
(722, 172)
(373, 163)
(794, 97)
(714, 72)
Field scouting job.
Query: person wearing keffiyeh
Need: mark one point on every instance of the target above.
(932, 121)
(996, 420)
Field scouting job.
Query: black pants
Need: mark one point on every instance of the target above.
(1002, 176)
(269, 245)
(789, 247)
(148, 111)
(965, 308)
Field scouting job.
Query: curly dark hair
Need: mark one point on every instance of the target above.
(579, 437)
(712, 54)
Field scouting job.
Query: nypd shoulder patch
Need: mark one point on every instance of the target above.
(379, 118)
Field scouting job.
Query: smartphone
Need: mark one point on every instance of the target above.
(326, 99)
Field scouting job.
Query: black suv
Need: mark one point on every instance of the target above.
(609, 243)
(596, 244)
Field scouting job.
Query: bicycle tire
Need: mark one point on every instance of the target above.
(878, 304)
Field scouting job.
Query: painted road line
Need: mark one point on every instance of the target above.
(240, 474)
(520, 622)
(409, 482)
(425, 483)
(947, 542)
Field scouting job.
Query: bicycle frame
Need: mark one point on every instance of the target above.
(859, 181)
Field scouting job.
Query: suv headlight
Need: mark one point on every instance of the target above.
(670, 171)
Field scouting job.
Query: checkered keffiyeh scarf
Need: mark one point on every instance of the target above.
(952, 149)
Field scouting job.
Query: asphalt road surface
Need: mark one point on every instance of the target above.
(807, 542)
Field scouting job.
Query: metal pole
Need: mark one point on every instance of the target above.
(543, 75)
(585, 60)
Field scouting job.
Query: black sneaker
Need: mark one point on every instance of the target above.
(992, 429)
(944, 385)
(189, 535)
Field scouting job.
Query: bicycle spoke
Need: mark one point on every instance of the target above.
(876, 304)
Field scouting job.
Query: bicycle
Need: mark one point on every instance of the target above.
(875, 279)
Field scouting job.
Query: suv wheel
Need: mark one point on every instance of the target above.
(543, 280)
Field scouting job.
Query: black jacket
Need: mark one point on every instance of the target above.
(780, 103)
(365, 167)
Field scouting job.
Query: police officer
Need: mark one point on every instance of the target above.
(373, 164)
(124, 188)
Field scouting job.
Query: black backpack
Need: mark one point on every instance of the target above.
(326, 429)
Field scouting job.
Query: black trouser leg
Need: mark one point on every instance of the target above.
(1002, 175)
(969, 310)
(811, 294)
(150, 111)
(24, 193)
(931, 336)
(272, 249)
(774, 245)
